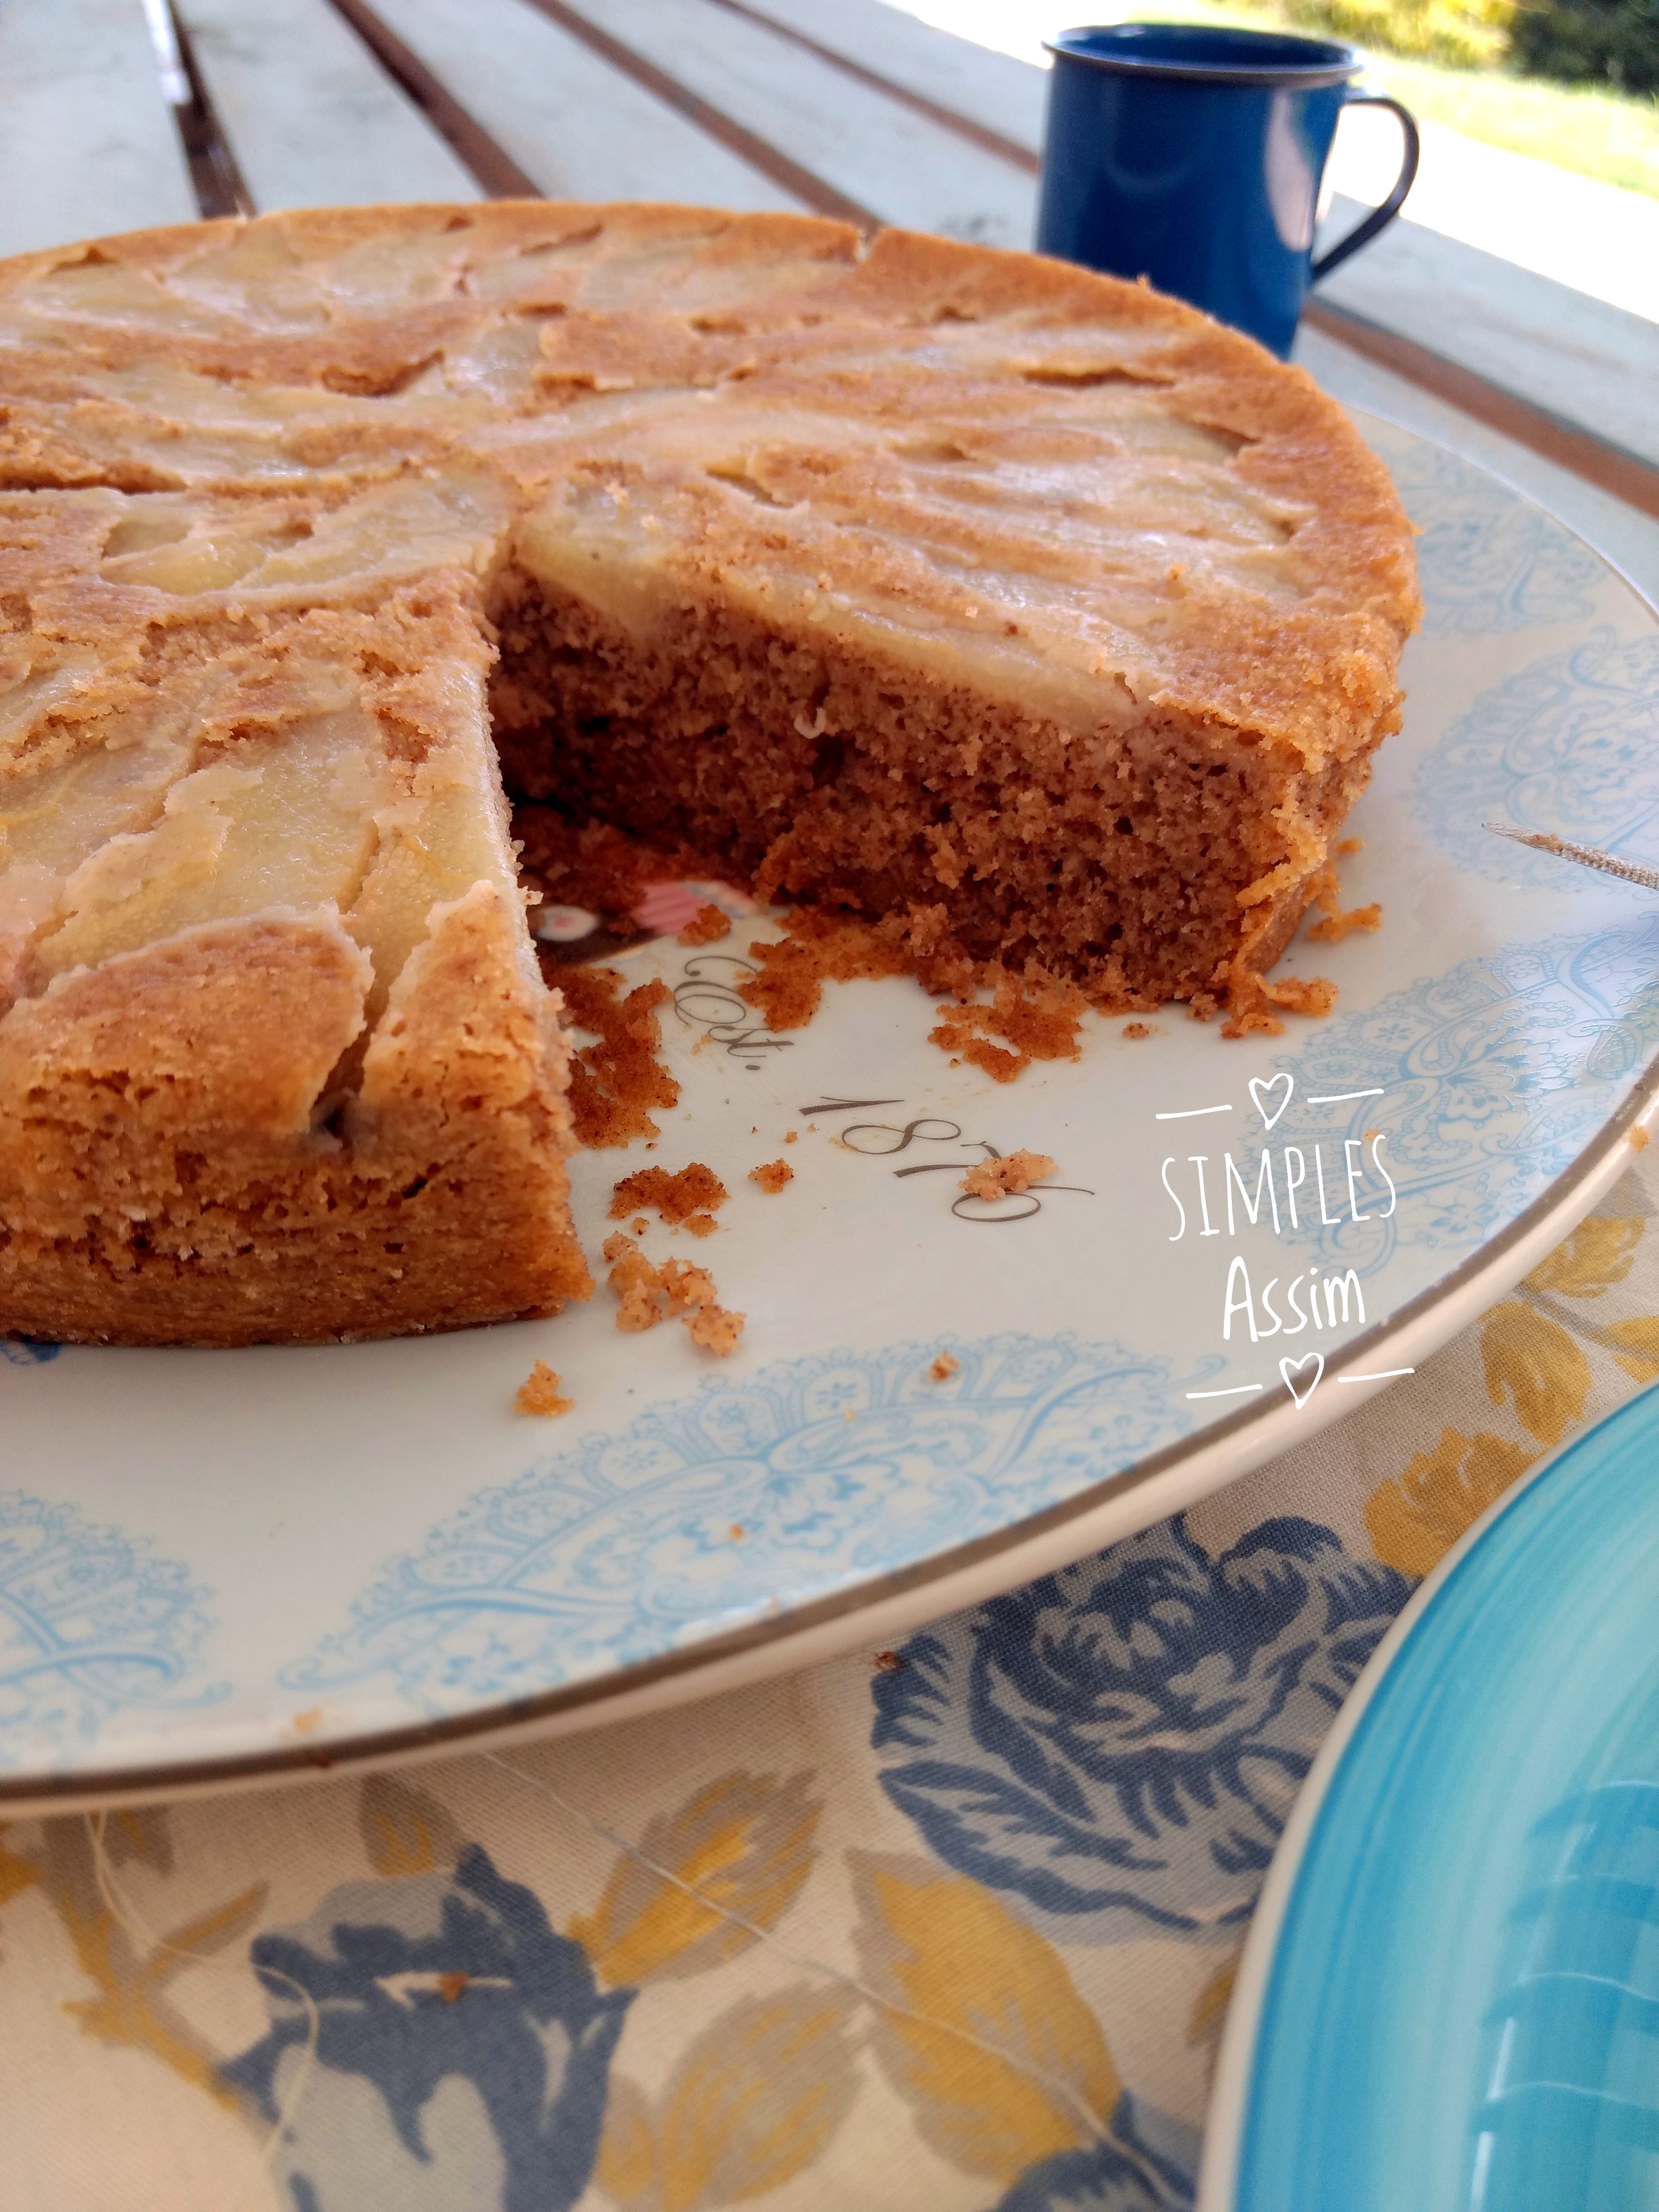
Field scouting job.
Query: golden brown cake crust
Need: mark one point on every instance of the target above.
(169, 1178)
(790, 470)
(1353, 545)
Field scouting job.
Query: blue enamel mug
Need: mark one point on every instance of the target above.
(1192, 155)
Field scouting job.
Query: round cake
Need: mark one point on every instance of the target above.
(1029, 615)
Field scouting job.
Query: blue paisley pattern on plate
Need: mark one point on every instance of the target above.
(1488, 563)
(26, 1351)
(1119, 1744)
(498, 2101)
(1569, 745)
(721, 1507)
(1494, 1077)
(91, 1624)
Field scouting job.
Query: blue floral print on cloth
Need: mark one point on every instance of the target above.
(1124, 1740)
(1127, 2175)
(521, 2072)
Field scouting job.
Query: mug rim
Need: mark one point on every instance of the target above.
(1327, 61)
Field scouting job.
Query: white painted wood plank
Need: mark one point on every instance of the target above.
(994, 90)
(87, 143)
(579, 127)
(1578, 358)
(1589, 236)
(310, 115)
(873, 150)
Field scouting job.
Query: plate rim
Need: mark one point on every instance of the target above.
(893, 1603)
(1228, 2112)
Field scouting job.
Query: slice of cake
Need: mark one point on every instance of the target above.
(1029, 615)
(279, 1061)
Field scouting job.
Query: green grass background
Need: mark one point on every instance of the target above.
(1613, 136)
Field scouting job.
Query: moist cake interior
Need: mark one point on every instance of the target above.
(1025, 613)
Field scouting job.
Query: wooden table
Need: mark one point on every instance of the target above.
(115, 113)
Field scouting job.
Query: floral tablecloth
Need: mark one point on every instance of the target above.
(949, 1926)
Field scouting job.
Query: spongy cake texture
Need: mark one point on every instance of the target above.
(1029, 614)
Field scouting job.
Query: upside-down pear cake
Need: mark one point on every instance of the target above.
(1027, 613)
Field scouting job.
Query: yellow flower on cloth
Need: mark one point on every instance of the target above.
(989, 2039)
(1539, 1353)
(752, 2101)
(1533, 1362)
(1415, 1519)
(986, 2036)
(744, 1845)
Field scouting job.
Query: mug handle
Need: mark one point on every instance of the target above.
(1380, 218)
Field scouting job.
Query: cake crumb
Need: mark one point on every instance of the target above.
(715, 1330)
(703, 1224)
(676, 1290)
(789, 1136)
(890, 1662)
(815, 949)
(638, 1225)
(1638, 1138)
(1336, 926)
(737, 1532)
(635, 1281)
(1137, 1029)
(616, 1082)
(450, 1985)
(539, 1393)
(1037, 1018)
(695, 1189)
(944, 1367)
(1315, 995)
(772, 1176)
(687, 1285)
(1350, 845)
(1253, 999)
(706, 925)
(1009, 1178)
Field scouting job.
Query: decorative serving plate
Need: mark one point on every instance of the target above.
(221, 1564)
(1451, 1994)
